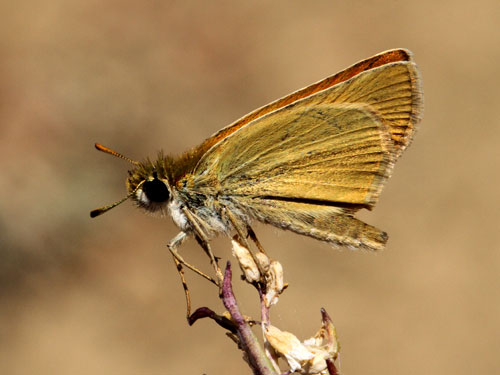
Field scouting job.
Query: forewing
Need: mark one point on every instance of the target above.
(335, 145)
(392, 91)
(388, 82)
(381, 59)
(325, 153)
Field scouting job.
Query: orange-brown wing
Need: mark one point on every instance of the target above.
(380, 59)
(336, 145)
(387, 82)
(323, 153)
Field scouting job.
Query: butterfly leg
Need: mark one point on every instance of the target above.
(241, 228)
(253, 237)
(238, 225)
(203, 242)
(172, 247)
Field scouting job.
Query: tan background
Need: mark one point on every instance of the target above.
(82, 296)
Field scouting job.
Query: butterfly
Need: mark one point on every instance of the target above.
(306, 162)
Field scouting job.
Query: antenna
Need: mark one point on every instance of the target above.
(114, 153)
(101, 210)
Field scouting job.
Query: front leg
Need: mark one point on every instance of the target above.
(202, 239)
(172, 247)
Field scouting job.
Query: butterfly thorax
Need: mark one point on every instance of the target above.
(164, 186)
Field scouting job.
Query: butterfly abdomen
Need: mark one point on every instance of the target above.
(329, 223)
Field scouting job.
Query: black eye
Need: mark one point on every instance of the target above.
(155, 190)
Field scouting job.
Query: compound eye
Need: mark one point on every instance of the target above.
(156, 190)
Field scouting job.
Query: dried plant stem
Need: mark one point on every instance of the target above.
(257, 357)
(314, 356)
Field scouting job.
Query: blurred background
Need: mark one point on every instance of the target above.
(101, 296)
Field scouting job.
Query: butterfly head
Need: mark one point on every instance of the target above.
(147, 184)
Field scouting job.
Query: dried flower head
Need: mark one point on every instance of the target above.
(308, 357)
(275, 284)
(246, 261)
